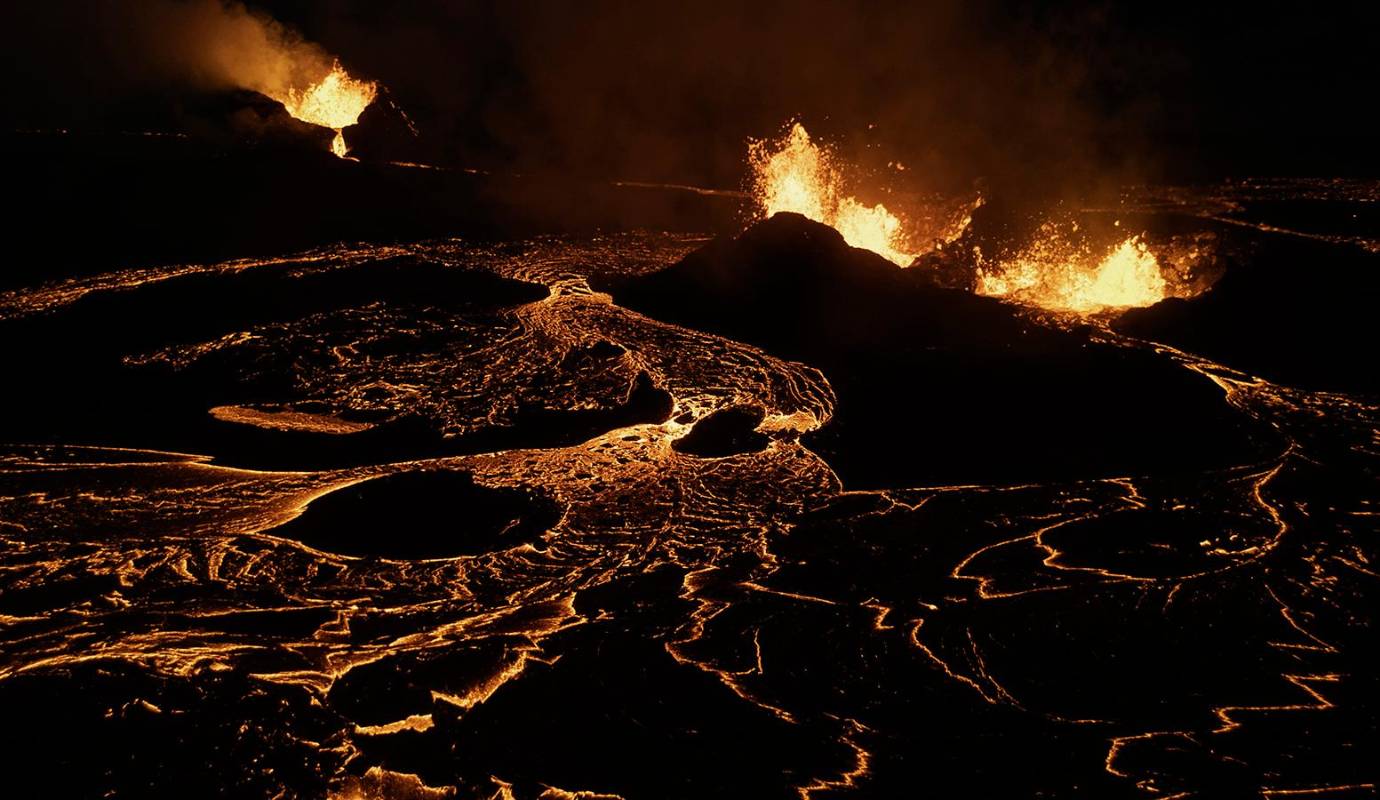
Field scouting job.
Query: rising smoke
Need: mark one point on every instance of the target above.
(89, 58)
(1013, 90)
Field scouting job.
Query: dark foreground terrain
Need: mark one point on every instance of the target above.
(650, 515)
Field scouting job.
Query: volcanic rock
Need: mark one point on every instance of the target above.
(934, 384)
(384, 133)
(795, 287)
(724, 433)
(1298, 312)
(173, 198)
(165, 401)
(421, 515)
(948, 268)
(242, 118)
(998, 226)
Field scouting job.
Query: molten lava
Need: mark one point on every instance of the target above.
(795, 174)
(1129, 276)
(335, 102)
(1054, 274)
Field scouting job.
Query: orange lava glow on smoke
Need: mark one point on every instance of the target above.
(1056, 275)
(335, 102)
(795, 174)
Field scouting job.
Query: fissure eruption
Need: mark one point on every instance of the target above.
(334, 102)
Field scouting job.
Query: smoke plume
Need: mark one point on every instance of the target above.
(98, 56)
(1041, 93)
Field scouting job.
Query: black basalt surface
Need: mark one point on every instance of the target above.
(416, 515)
(723, 433)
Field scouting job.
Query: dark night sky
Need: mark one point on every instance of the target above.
(669, 91)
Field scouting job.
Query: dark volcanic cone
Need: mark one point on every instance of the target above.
(995, 227)
(1300, 312)
(243, 118)
(384, 133)
(795, 287)
(938, 385)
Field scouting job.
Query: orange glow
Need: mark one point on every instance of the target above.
(335, 102)
(796, 174)
(1056, 274)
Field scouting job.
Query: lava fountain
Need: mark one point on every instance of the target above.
(795, 174)
(335, 102)
(1054, 274)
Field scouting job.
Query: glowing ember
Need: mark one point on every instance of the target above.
(336, 101)
(1056, 275)
(795, 174)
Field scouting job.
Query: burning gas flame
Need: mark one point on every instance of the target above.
(1053, 275)
(795, 174)
(335, 102)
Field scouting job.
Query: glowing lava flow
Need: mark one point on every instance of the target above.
(1053, 274)
(795, 174)
(335, 102)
